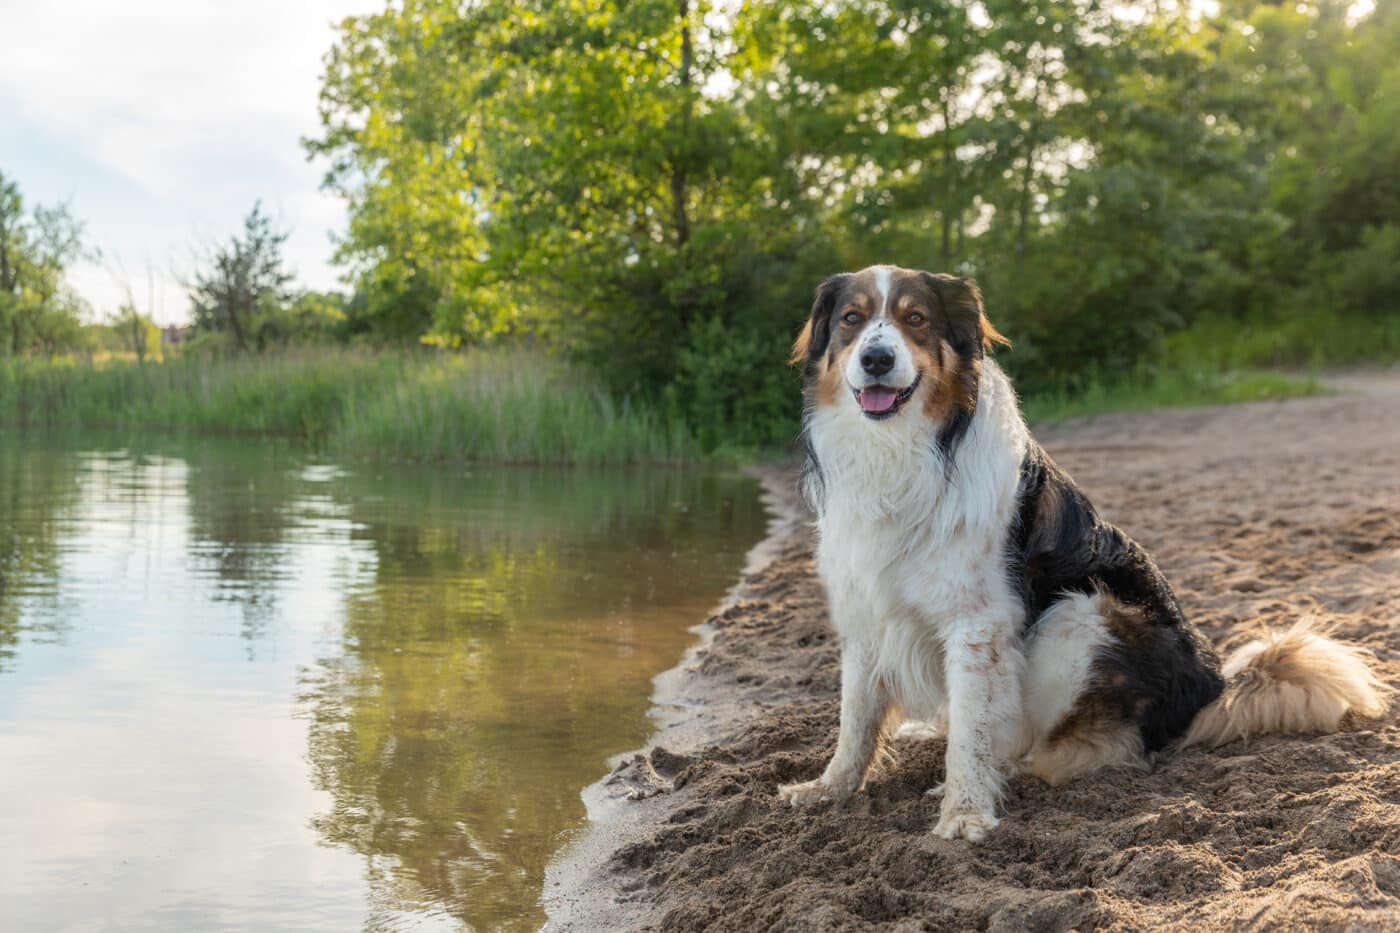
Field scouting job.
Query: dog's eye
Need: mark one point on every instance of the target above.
(916, 319)
(851, 317)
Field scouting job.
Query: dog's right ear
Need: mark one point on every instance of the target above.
(816, 334)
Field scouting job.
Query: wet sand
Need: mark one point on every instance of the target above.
(1257, 513)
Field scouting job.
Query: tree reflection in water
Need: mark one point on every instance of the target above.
(38, 489)
(500, 636)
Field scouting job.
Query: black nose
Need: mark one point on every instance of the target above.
(877, 360)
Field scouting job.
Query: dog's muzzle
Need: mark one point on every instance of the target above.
(878, 402)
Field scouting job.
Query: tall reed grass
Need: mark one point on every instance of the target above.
(510, 406)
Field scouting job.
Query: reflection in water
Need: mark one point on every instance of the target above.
(240, 690)
(502, 648)
(37, 490)
(238, 522)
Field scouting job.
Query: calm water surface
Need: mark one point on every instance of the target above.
(245, 689)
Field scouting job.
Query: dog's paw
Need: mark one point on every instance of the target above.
(810, 792)
(965, 823)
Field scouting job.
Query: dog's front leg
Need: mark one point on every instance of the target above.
(865, 705)
(984, 720)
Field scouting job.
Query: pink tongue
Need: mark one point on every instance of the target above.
(877, 398)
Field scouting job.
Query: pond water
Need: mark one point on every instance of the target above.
(243, 688)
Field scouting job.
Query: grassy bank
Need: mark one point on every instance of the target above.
(1222, 360)
(1314, 340)
(522, 407)
(1168, 388)
(511, 407)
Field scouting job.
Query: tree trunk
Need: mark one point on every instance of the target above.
(8, 276)
(944, 210)
(679, 152)
(237, 326)
(1023, 209)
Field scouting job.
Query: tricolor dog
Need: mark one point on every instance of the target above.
(973, 584)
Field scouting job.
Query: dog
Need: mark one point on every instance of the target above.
(973, 584)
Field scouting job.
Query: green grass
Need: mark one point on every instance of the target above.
(511, 406)
(1168, 388)
(1312, 341)
(1220, 360)
(516, 406)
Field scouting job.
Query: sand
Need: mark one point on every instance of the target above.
(1257, 514)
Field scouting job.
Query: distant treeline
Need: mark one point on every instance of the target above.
(651, 189)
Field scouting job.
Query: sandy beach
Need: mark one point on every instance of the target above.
(1258, 514)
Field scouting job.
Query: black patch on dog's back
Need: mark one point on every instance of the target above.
(1162, 671)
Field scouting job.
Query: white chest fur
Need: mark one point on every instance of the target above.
(911, 550)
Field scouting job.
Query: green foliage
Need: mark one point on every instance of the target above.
(136, 333)
(310, 317)
(243, 299)
(1147, 387)
(656, 187)
(505, 406)
(1321, 338)
(570, 176)
(38, 312)
(1363, 279)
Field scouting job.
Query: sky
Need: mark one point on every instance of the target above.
(161, 122)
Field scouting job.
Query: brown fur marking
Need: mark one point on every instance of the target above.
(1127, 624)
(801, 345)
(833, 379)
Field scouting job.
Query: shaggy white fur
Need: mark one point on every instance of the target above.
(913, 558)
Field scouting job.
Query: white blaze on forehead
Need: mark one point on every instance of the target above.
(883, 280)
(882, 330)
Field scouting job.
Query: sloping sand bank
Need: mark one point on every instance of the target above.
(1257, 514)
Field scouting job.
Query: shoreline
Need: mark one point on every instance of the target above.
(1258, 514)
(581, 891)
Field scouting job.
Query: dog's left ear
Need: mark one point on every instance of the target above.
(972, 334)
(816, 334)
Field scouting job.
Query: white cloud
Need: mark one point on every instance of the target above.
(173, 117)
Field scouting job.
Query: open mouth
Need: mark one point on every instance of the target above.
(879, 402)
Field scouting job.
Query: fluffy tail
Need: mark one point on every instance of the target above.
(1299, 681)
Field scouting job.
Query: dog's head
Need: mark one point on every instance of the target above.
(885, 340)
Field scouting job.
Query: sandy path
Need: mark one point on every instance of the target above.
(1258, 512)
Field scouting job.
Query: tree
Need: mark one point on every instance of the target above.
(139, 335)
(561, 169)
(38, 312)
(401, 134)
(243, 285)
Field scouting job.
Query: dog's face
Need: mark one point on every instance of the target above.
(887, 339)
